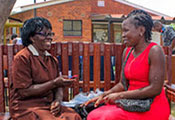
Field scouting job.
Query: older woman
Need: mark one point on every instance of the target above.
(37, 89)
(144, 70)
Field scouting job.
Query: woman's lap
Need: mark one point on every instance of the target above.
(44, 114)
(112, 112)
(66, 114)
(107, 112)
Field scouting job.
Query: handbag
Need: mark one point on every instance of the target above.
(132, 105)
(83, 111)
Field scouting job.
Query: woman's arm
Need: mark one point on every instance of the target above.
(59, 94)
(40, 89)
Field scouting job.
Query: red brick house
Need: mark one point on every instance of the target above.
(84, 20)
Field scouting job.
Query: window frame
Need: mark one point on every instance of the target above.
(72, 28)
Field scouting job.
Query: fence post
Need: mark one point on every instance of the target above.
(2, 99)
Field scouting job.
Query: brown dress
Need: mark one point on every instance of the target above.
(28, 69)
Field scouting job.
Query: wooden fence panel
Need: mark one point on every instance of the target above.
(58, 54)
(173, 69)
(96, 66)
(65, 66)
(10, 55)
(168, 69)
(58, 49)
(86, 68)
(107, 67)
(2, 98)
(169, 65)
(77, 49)
(75, 66)
(118, 61)
(53, 49)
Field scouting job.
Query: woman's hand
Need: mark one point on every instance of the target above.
(55, 108)
(63, 81)
(97, 100)
(111, 98)
(68, 82)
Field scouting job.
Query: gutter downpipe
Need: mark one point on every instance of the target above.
(35, 9)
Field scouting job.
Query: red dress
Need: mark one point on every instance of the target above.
(137, 72)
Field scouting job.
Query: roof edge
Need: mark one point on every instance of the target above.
(141, 7)
(38, 5)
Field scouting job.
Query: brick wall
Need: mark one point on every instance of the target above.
(111, 7)
(76, 10)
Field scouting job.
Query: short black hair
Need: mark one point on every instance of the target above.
(156, 23)
(13, 36)
(142, 18)
(31, 26)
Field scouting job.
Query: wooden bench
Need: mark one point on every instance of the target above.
(85, 58)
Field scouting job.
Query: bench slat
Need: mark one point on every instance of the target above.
(118, 61)
(107, 67)
(86, 67)
(65, 65)
(2, 99)
(75, 66)
(96, 66)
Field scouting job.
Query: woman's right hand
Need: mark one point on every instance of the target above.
(63, 81)
(55, 108)
(97, 100)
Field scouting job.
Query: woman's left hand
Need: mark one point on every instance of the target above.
(55, 108)
(111, 98)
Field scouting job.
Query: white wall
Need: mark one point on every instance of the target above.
(156, 37)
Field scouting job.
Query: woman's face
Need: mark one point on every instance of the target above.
(42, 40)
(157, 28)
(130, 33)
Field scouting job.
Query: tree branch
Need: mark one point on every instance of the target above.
(5, 9)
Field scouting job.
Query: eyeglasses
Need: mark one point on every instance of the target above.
(46, 35)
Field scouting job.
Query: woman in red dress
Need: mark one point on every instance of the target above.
(144, 70)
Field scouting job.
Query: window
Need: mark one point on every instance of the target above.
(117, 33)
(100, 33)
(72, 27)
(14, 29)
(101, 3)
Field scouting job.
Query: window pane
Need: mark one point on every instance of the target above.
(72, 27)
(67, 25)
(77, 33)
(100, 33)
(100, 26)
(117, 33)
(76, 25)
(72, 33)
(67, 33)
(117, 27)
(117, 37)
(14, 29)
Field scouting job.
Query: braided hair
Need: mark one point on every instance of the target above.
(142, 18)
(31, 26)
